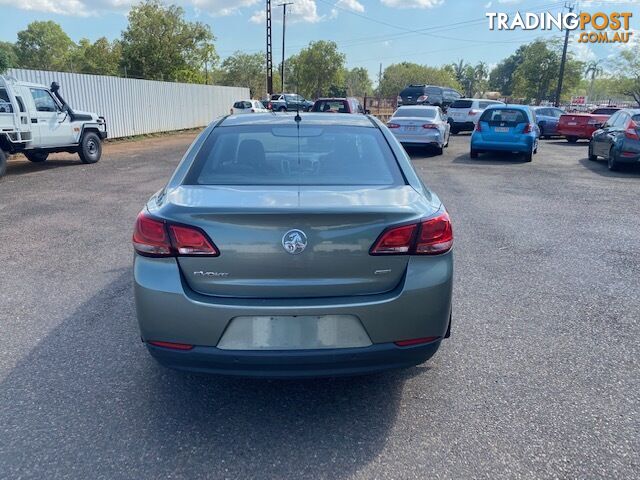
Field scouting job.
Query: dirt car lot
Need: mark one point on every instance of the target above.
(539, 380)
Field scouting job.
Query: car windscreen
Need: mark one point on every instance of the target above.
(333, 106)
(504, 115)
(415, 112)
(605, 111)
(288, 155)
(462, 104)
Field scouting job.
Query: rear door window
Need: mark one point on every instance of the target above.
(485, 104)
(286, 155)
(462, 104)
(504, 115)
(605, 111)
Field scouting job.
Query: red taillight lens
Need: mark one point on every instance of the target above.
(430, 237)
(150, 237)
(422, 98)
(527, 128)
(473, 112)
(191, 241)
(415, 341)
(393, 125)
(429, 125)
(632, 131)
(156, 238)
(172, 345)
(478, 127)
(395, 240)
(436, 236)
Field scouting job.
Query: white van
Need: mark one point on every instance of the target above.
(464, 113)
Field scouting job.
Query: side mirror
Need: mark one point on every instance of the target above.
(367, 112)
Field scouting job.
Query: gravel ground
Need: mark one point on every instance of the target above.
(539, 380)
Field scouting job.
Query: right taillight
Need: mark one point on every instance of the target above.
(157, 238)
(632, 131)
(429, 237)
(478, 127)
(393, 125)
(422, 98)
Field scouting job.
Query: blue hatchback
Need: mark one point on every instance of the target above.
(506, 128)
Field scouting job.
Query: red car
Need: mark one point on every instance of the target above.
(582, 125)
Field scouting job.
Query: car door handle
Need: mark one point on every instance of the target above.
(34, 120)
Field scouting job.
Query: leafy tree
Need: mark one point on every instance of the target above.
(44, 46)
(592, 70)
(628, 66)
(245, 70)
(8, 57)
(501, 77)
(397, 76)
(357, 82)
(101, 57)
(159, 44)
(317, 69)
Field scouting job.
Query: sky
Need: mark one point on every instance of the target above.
(369, 32)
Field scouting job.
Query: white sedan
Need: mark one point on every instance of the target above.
(248, 106)
(420, 125)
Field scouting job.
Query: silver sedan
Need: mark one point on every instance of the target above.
(420, 125)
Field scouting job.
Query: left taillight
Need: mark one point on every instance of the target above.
(528, 128)
(392, 125)
(157, 238)
(430, 126)
(432, 236)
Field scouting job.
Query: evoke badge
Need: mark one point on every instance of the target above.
(294, 241)
(201, 273)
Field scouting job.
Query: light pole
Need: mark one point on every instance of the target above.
(563, 61)
(284, 30)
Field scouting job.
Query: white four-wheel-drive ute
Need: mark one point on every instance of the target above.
(35, 120)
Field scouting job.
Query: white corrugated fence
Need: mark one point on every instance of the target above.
(136, 107)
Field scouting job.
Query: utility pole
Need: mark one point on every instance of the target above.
(284, 30)
(564, 59)
(269, 52)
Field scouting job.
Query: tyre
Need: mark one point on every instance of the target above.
(612, 163)
(439, 150)
(542, 134)
(592, 157)
(282, 109)
(571, 139)
(473, 153)
(36, 157)
(90, 149)
(528, 156)
(454, 131)
(3, 163)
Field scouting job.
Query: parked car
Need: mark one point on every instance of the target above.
(506, 128)
(35, 120)
(428, 95)
(618, 141)
(283, 245)
(337, 105)
(420, 125)
(464, 113)
(575, 126)
(548, 118)
(283, 102)
(248, 106)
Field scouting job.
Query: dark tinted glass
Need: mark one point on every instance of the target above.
(504, 115)
(433, 90)
(605, 111)
(412, 91)
(462, 104)
(415, 112)
(334, 106)
(284, 155)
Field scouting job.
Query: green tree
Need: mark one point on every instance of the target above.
(317, 69)
(101, 57)
(592, 70)
(44, 46)
(501, 77)
(628, 66)
(245, 70)
(397, 76)
(159, 44)
(8, 57)
(357, 82)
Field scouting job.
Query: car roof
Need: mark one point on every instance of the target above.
(413, 107)
(288, 118)
(511, 106)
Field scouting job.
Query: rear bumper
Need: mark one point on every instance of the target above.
(168, 311)
(430, 139)
(584, 133)
(296, 363)
(462, 126)
(524, 145)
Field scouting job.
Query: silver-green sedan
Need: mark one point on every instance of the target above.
(293, 245)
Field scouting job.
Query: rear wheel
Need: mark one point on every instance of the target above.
(439, 150)
(473, 153)
(3, 163)
(572, 139)
(528, 156)
(454, 131)
(36, 157)
(282, 109)
(541, 127)
(90, 149)
(592, 157)
(612, 163)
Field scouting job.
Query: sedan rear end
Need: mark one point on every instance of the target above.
(293, 248)
(420, 125)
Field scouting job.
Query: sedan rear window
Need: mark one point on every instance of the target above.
(462, 104)
(415, 112)
(333, 106)
(605, 111)
(286, 155)
(504, 115)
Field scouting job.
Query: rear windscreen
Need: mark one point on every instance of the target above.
(504, 115)
(462, 104)
(333, 106)
(286, 155)
(604, 111)
(415, 112)
(412, 91)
